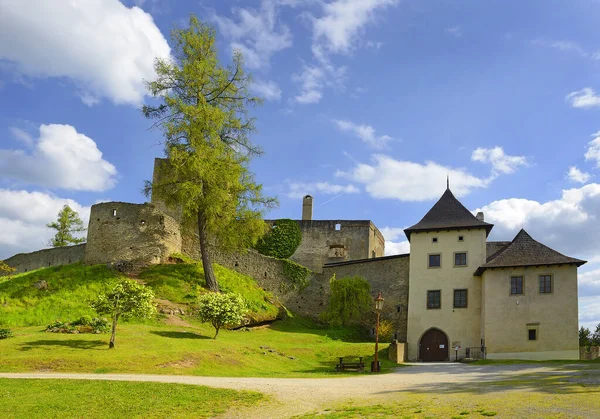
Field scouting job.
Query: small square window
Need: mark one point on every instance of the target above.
(460, 259)
(532, 334)
(460, 298)
(461, 238)
(434, 299)
(435, 261)
(545, 284)
(516, 285)
(434, 240)
(338, 227)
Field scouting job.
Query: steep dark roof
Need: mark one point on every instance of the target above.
(494, 247)
(525, 251)
(448, 214)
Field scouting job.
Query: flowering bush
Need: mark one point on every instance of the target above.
(221, 309)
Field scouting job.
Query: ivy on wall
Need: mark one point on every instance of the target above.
(349, 300)
(282, 240)
(297, 274)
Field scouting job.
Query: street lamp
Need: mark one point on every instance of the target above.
(378, 307)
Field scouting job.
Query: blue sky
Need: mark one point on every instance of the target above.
(369, 104)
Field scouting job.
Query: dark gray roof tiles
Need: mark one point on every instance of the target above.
(448, 214)
(525, 251)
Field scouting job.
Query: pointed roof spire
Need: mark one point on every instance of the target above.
(447, 181)
(448, 214)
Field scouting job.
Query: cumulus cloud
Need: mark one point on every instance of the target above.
(22, 136)
(500, 161)
(268, 90)
(61, 158)
(387, 177)
(365, 132)
(395, 241)
(300, 189)
(23, 219)
(576, 175)
(593, 151)
(257, 33)
(584, 98)
(104, 47)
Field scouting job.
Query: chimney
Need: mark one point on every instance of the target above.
(479, 216)
(307, 206)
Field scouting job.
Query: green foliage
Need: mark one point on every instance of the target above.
(203, 118)
(349, 302)
(595, 339)
(125, 300)
(221, 309)
(67, 223)
(5, 269)
(282, 240)
(585, 337)
(85, 324)
(386, 331)
(297, 274)
(70, 287)
(5, 333)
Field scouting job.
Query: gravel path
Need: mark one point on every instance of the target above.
(296, 395)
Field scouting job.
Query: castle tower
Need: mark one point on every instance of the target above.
(307, 208)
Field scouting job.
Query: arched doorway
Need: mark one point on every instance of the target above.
(433, 346)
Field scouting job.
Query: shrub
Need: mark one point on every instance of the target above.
(5, 333)
(386, 331)
(297, 274)
(5, 269)
(282, 240)
(350, 300)
(85, 324)
(221, 309)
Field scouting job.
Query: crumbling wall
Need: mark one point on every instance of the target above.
(25, 262)
(139, 233)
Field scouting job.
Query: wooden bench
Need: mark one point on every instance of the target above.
(350, 366)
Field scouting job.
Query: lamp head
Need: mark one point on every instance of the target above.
(379, 302)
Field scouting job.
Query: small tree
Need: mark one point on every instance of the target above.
(584, 337)
(350, 300)
(126, 299)
(595, 339)
(221, 309)
(5, 269)
(67, 223)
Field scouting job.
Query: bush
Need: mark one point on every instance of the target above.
(282, 240)
(85, 324)
(297, 274)
(386, 331)
(5, 333)
(349, 302)
(221, 309)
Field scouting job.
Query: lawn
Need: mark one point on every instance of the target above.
(114, 399)
(291, 348)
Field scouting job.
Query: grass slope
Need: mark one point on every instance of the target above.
(113, 399)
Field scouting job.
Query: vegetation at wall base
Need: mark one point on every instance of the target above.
(282, 239)
(5, 269)
(350, 301)
(24, 398)
(297, 274)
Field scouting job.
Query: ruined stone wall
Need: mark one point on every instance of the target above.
(139, 233)
(589, 354)
(25, 262)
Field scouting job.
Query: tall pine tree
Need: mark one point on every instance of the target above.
(66, 225)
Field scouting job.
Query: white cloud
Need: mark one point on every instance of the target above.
(589, 312)
(268, 90)
(300, 189)
(365, 132)
(584, 98)
(343, 21)
(455, 31)
(593, 151)
(61, 158)
(22, 136)
(312, 80)
(105, 48)
(23, 219)
(395, 241)
(256, 33)
(576, 175)
(501, 162)
(562, 45)
(409, 181)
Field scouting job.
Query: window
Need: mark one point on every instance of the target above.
(338, 227)
(532, 334)
(434, 240)
(114, 212)
(460, 259)
(545, 284)
(461, 238)
(460, 298)
(516, 285)
(434, 299)
(435, 261)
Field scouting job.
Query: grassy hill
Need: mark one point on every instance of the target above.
(71, 287)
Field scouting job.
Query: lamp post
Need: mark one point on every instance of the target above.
(378, 307)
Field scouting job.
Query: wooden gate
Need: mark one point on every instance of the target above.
(433, 346)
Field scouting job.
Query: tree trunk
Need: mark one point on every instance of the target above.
(217, 329)
(209, 274)
(114, 332)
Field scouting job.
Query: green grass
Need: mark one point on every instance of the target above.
(114, 399)
(291, 348)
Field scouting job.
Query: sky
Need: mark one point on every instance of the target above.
(368, 106)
